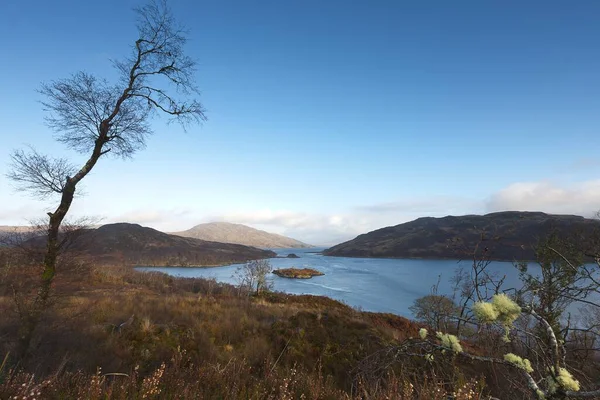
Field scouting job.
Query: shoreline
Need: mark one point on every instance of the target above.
(430, 258)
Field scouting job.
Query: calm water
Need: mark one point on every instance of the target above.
(382, 285)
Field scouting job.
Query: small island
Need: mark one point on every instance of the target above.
(292, 255)
(297, 273)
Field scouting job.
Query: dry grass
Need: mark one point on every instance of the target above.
(117, 333)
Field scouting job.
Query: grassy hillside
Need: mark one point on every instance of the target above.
(504, 236)
(226, 232)
(132, 244)
(117, 333)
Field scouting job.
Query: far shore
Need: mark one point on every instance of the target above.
(437, 258)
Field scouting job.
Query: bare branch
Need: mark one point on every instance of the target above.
(96, 118)
(77, 107)
(583, 395)
(39, 174)
(86, 112)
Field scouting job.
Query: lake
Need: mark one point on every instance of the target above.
(372, 284)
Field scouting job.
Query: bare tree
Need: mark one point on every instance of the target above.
(435, 310)
(476, 283)
(97, 118)
(254, 276)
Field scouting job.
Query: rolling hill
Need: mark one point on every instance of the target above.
(509, 235)
(132, 244)
(226, 232)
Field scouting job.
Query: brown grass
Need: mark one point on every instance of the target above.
(117, 333)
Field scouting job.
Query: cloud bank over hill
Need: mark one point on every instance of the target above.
(582, 198)
(328, 228)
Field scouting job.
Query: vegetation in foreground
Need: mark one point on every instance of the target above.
(118, 333)
(76, 331)
(142, 335)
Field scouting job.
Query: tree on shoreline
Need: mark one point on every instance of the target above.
(96, 118)
(253, 276)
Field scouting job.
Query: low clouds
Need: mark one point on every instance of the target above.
(328, 229)
(21, 215)
(310, 228)
(581, 198)
(163, 219)
(442, 205)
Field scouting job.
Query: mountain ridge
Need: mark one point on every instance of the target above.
(508, 236)
(133, 244)
(227, 232)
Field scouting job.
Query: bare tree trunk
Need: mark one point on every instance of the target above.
(94, 118)
(30, 320)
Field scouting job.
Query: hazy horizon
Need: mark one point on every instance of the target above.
(328, 243)
(329, 120)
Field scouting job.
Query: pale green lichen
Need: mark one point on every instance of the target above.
(566, 380)
(501, 309)
(551, 384)
(423, 333)
(429, 357)
(506, 337)
(562, 379)
(508, 310)
(522, 363)
(485, 312)
(540, 394)
(450, 341)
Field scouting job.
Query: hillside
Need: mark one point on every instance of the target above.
(226, 232)
(132, 244)
(199, 339)
(11, 228)
(509, 235)
(9, 233)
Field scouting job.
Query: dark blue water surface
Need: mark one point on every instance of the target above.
(372, 284)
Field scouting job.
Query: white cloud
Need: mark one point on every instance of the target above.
(581, 198)
(329, 229)
(22, 214)
(439, 205)
(161, 219)
(310, 228)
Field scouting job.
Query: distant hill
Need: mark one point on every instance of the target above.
(226, 232)
(509, 235)
(133, 244)
(10, 228)
(9, 235)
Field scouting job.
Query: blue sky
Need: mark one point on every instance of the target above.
(327, 119)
